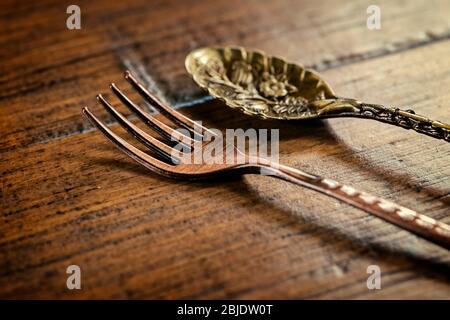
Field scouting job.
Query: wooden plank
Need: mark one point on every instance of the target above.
(78, 200)
(136, 235)
(48, 73)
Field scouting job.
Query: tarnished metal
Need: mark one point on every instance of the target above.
(270, 87)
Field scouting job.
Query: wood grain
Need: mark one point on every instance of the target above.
(69, 197)
(48, 70)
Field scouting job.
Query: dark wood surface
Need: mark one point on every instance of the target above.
(69, 197)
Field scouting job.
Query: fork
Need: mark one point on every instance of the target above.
(171, 162)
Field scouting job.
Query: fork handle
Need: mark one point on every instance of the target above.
(421, 225)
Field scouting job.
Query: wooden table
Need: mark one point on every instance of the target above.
(69, 197)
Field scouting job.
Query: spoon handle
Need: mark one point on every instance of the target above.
(406, 119)
(421, 225)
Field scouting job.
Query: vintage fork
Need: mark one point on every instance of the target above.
(172, 163)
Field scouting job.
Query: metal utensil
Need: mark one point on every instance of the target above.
(270, 87)
(165, 160)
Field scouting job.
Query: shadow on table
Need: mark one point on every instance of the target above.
(333, 234)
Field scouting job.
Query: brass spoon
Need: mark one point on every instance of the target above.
(272, 88)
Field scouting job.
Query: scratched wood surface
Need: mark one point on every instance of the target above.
(69, 197)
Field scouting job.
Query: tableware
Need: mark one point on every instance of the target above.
(271, 88)
(172, 163)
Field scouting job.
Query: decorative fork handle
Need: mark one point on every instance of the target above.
(407, 119)
(421, 225)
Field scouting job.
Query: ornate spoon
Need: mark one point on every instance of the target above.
(270, 87)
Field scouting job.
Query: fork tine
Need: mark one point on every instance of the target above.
(156, 145)
(163, 108)
(152, 122)
(138, 155)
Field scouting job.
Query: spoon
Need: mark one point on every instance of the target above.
(270, 87)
